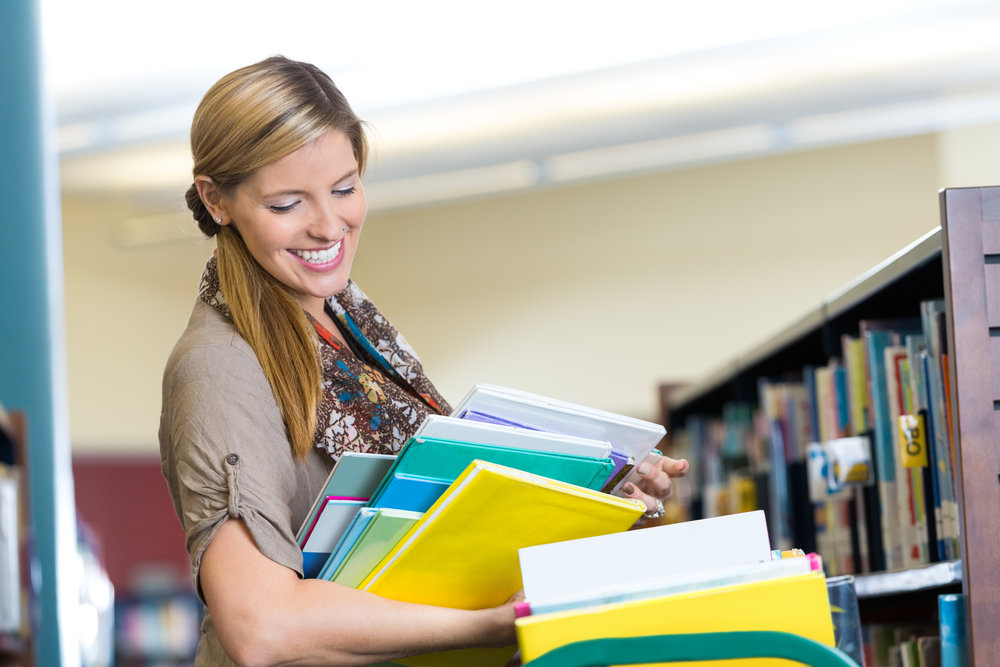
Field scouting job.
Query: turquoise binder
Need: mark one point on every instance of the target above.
(444, 460)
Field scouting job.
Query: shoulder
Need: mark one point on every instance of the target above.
(209, 346)
(213, 384)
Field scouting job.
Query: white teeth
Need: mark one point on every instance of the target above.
(319, 256)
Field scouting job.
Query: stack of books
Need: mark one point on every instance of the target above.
(441, 523)
(512, 491)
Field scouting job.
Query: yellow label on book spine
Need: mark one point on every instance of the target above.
(912, 441)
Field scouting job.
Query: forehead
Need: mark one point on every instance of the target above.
(326, 160)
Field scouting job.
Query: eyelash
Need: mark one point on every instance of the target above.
(346, 192)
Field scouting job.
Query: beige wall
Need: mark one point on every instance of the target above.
(592, 293)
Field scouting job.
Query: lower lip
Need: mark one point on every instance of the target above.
(326, 266)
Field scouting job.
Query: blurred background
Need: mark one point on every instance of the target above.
(583, 200)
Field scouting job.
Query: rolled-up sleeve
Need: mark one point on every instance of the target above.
(225, 451)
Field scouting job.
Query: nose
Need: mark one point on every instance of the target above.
(327, 223)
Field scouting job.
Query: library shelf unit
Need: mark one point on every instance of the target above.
(17, 648)
(958, 262)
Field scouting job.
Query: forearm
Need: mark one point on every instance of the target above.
(341, 626)
(265, 615)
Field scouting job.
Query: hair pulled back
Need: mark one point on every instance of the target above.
(253, 117)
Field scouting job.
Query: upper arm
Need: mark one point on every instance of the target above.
(226, 454)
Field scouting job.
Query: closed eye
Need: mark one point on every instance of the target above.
(344, 192)
(275, 208)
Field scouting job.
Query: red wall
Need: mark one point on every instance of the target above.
(125, 504)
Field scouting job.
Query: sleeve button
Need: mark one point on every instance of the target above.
(233, 459)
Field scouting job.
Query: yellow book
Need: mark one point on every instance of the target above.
(797, 604)
(463, 553)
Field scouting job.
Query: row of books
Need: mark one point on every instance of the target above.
(930, 645)
(852, 457)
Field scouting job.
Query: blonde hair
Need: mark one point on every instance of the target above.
(250, 118)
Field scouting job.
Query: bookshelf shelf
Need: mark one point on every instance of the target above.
(891, 289)
(957, 264)
(926, 578)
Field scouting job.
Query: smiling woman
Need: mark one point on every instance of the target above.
(284, 365)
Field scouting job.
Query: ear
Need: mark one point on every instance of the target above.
(211, 197)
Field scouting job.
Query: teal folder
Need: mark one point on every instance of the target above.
(446, 459)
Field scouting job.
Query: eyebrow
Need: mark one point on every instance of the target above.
(279, 193)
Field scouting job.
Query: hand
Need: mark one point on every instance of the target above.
(652, 481)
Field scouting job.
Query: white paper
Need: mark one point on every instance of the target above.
(466, 430)
(564, 568)
(626, 434)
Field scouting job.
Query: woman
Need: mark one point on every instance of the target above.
(284, 365)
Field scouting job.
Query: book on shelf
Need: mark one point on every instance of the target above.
(722, 577)
(10, 550)
(463, 552)
(885, 384)
(952, 622)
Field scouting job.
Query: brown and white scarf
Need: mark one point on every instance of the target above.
(371, 401)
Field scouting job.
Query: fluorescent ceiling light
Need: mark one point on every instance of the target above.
(660, 153)
(478, 181)
(894, 120)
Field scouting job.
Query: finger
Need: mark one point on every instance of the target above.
(633, 491)
(652, 505)
(675, 467)
(653, 481)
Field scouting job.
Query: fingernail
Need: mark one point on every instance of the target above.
(628, 488)
(643, 469)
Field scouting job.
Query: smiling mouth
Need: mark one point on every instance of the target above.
(319, 256)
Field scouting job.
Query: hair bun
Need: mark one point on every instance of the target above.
(206, 224)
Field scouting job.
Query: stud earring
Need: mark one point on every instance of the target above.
(219, 220)
(345, 230)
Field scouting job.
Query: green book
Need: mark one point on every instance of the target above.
(379, 536)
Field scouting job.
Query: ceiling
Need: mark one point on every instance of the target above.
(466, 99)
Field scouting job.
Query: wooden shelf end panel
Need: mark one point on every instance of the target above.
(971, 254)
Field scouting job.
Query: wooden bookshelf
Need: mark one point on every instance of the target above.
(960, 262)
(971, 252)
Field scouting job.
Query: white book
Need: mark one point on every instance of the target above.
(562, 569)
(444, 427)
(333, 519)
(672, 584)
(626, 434)
(354, 475)
(10, 567)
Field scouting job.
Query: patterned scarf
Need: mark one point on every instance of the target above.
(372, 401)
